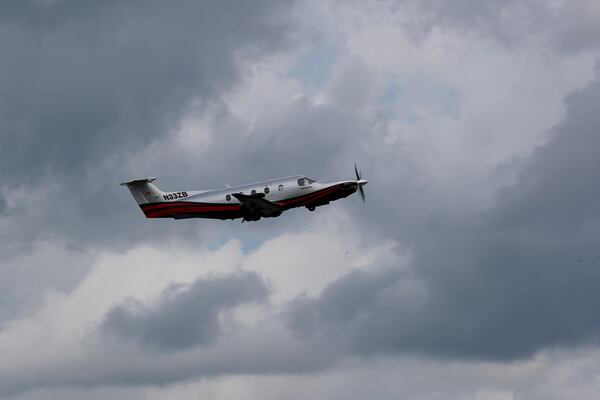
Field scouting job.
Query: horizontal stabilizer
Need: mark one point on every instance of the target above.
(138, 181)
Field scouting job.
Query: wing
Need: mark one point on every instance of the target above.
(257, 204)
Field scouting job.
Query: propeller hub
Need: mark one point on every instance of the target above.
(362, 182)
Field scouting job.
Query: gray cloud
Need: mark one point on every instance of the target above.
(97, 80)
(184, 316)
(27, 278)
(86, 86)
(517, 279)
(89, 86)
(568, 27)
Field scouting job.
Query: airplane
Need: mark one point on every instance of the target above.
(265, 199)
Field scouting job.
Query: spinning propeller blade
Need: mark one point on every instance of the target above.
(360, 183)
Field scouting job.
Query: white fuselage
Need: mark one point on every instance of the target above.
(267, 198)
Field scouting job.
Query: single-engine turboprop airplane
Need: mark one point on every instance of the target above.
(251, 202)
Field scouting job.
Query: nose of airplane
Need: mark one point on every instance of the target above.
(362, 182)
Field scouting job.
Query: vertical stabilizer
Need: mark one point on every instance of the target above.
(144, 191)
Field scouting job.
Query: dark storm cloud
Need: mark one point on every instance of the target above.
(86, 86)
(82, 83)
(183, 316)
(522, 277)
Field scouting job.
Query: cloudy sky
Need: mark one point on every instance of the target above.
(472, 272)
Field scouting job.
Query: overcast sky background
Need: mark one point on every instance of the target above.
(472, 271)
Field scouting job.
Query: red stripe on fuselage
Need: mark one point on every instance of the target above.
(165, 210)
(175, 204)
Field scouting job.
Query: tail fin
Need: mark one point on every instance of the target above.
(144, 191)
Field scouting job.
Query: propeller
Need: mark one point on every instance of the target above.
(360, 183)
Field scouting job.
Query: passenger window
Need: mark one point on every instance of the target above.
(301, 182)
(228, 197)
(266, 190)
(280, 188)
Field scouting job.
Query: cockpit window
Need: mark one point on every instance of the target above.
(309, 180)
(280, 188)
(301, 182)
